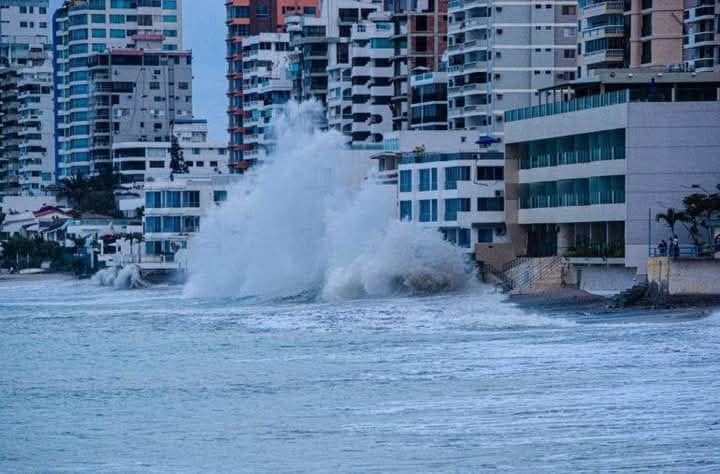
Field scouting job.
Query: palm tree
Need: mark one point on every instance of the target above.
(671, 217)
(74, 189)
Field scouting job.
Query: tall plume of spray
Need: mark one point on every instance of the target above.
(304, 224)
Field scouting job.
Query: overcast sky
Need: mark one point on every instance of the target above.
(204, 33)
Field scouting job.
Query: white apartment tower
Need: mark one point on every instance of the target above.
(266, 88)
(371, 75)
(501, 53)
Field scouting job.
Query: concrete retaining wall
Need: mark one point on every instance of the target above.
(605, 279)
(669, 277)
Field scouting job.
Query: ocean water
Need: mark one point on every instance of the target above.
(97, 380)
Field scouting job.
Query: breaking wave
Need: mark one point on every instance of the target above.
(308, 222)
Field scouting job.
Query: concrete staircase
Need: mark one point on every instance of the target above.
(535, 275)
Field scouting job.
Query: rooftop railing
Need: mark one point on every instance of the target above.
(573, 105)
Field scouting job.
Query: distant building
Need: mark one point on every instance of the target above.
(120, 74)
(27, 152)
(266, 88)
(701, 42)
(419, 41)
(248, 18)
(632, 34)
(140, 161)
(24, 32)
(585, 178)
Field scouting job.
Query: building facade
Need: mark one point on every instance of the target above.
(266, 88)
(500, 56)
(120, 73)
(419, 39)
(586, 177)
(26, 109)
(701, 42)
(248, 18)
(174, 213)
(24, 32)
(138, 162)
(632, 34)
(445, 182)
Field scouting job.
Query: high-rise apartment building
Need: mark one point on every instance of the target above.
(24, 32)
(635, 34)
(500, 56)
(26, 111)
(702, 35)
(245, 18)
(420, 40)
(266, 88)
(120, 75)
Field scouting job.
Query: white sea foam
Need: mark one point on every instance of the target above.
(305, 223)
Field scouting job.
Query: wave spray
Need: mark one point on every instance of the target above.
(306, 222)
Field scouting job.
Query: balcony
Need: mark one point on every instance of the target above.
(612, 31)
(605, 55)
(605, 8)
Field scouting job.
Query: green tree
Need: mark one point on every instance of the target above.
(177, 158)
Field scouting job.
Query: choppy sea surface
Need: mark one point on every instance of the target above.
(97, 380)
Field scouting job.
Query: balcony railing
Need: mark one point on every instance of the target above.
(555, 108)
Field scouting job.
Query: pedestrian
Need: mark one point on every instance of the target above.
(675, 246)
(662, 248)
(717, 242)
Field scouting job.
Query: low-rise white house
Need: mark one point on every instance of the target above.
(446, 181)
(174, 212)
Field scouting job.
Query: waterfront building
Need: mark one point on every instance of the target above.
(120, 74)
(586, 177)
(701, 42)
(445, 182)
(266, 88)
(24, 32)
(174, 213)
(632, 34)
(248, 18)
(138, 162)
(420, 39)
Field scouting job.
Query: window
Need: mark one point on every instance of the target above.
(646, 29)
(646, 53)
(463, 238)
(568, 53)
(491, 204)
(219, 196)
(153, 200)
(191, 199)
(405, 181)
(428, 210)
(428, 179)
(569, 10)
(406, 210)
(453, 206)
(157, 164)
(173, 199)
(490, 173)
(453, 174)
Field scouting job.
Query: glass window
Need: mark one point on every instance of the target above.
(428, 210)
(405, 181)
(406, 210)
(453, 174)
